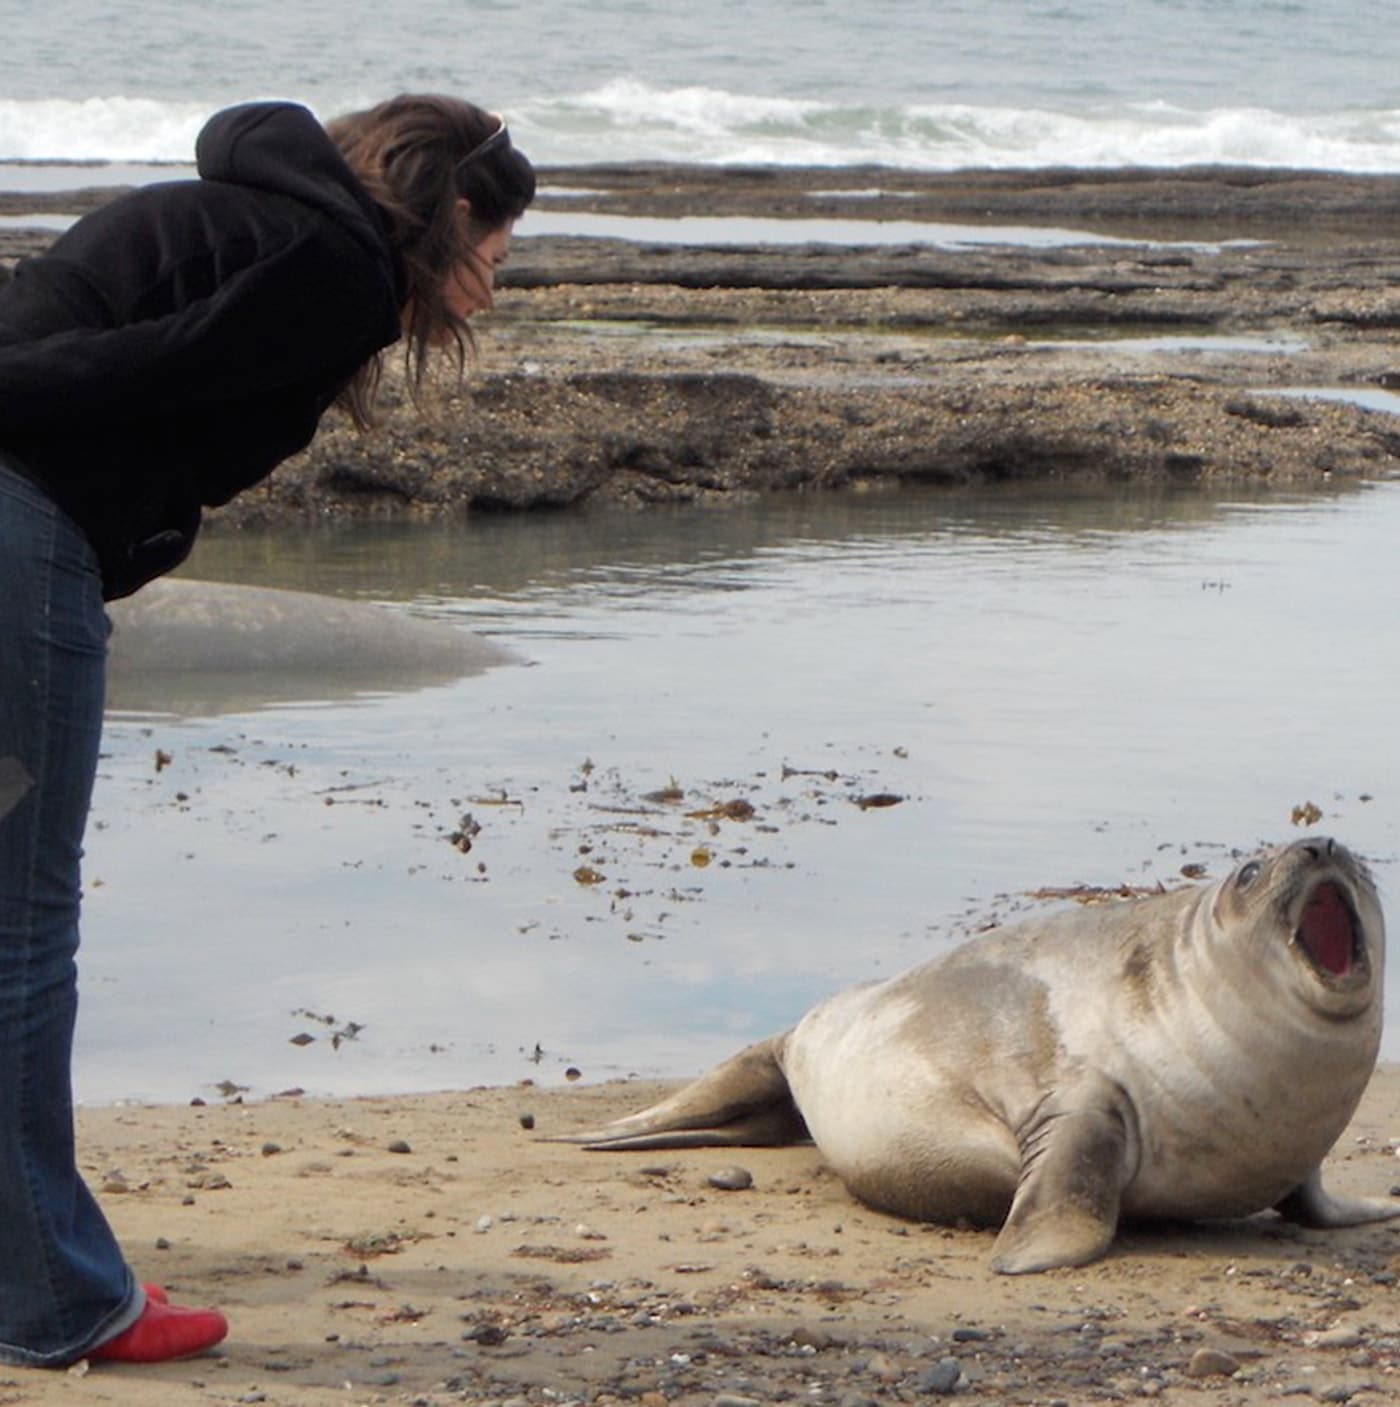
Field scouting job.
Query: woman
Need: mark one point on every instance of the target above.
(167, 352)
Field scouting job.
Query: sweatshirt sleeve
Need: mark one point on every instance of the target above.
(316, 304)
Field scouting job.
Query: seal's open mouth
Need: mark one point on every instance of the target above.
(1327, 932)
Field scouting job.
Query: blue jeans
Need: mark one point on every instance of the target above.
(64, 1285)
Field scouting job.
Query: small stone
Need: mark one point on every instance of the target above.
(162, 1244)
(210, 1182)
(527, 1121)
(487, 1335)
(731, 1179)
(484, 1224)
(399, 1146)
(270, 1150)
(1339, 1337)
(970, 1335)
(941, 1379)
(1212, 1363)
(729, 1399)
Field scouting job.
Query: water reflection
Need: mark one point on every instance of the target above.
(185, 646)
(504, 554)
(1063, 687)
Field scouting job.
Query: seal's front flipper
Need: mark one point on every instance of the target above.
(1310, 1205)
(743, 1102)
(1076, 1162)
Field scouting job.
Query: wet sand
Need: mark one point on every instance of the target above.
(430, 1250)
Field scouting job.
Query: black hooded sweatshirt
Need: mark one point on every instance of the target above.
(177, 344)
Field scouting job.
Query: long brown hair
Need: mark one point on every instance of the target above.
(417, 155)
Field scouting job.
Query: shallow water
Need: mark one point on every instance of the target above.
(744, 230)
(1062, 687)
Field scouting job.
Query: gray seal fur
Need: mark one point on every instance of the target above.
(1192, 1054)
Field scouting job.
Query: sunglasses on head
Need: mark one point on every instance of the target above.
(499, 138)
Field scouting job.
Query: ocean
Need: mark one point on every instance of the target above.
(922, 84)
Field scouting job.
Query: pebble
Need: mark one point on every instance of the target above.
(1212, 1363)
(941, 1379)
(731, 1179)
(270, 1149)
(399, 1146)
(1340, 1337)
(728, 1399)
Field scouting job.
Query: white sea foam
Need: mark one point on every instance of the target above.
(626, 119)
(99, 129)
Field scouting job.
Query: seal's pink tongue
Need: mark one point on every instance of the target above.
(1325, 930)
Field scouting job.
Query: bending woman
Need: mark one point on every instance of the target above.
(167, 352)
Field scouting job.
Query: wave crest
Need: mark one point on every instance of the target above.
(631, 120)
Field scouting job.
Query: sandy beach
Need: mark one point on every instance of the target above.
(428, 1249)
(431, 1250)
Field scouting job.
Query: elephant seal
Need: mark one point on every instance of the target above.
(1187, 1055)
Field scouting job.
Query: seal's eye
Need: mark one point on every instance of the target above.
(1247, 875)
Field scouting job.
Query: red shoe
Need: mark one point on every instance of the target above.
(163, 1331)
(157, 1293)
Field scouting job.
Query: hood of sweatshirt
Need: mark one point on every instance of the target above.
(281, 147)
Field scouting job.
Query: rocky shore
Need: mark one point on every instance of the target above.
(642, 370)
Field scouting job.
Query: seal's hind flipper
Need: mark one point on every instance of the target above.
(743, 1102)
(1310, 1204)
